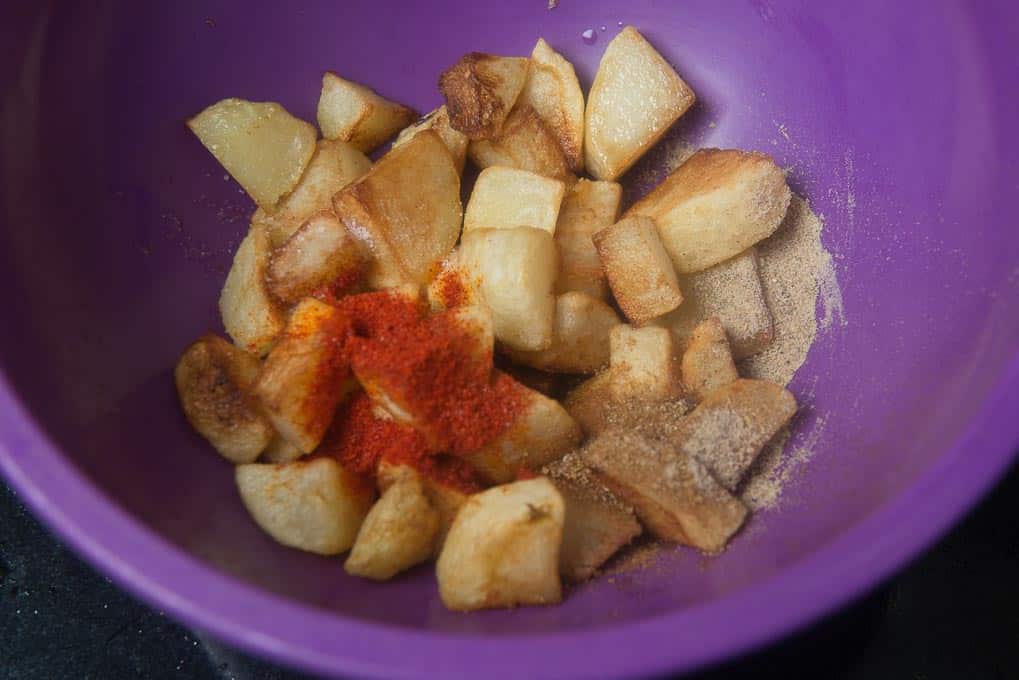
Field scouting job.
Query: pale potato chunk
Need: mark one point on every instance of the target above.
(636, 96)
(314, 505)
(262, 146)
(446, 499)
(591, 403)
(250, 315)
(587, 207)
(580, 341)
(357, 114)
(480, 91)
(524, 142)
(438, 120)
(716, 205)
(674, 495)
(334, 165)
(213, 378)
(638, 269)
(707, 362)
(553, 90)
(643, 364)
(406, 210)
(306, 376)
(320, 253)
(399, 532)
(504, 198)
(515, 270)
(503, 548)
(730, 427)
(280, 450)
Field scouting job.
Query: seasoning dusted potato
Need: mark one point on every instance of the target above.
(707, 362)
(590, 403)
(523, 142)
(446, 497)
(503, 548)
(504, 198)
(314, 505)
(262, 146)
(480, 91)
(587, 207)
(553, 90)
(643, 364)
(213, 378)
(453, 285)
(250, 315)
(357, 114)
(438, 120)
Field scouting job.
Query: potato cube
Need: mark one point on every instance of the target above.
(636, 96)
(438, 120)
(504, 198)
(587, 207)
(357, 114)
(515, 270)
(305, 376)
(524, 142)
(503, 548)
(334, 165)
(447, 499)
(591, 403)
(480, 91)
(730, 427)
(553, 90)
(643, 364)
(314, 505)
(250, 314)
(453, 286)
(406, 210)
(716, 205)
(674, 495)
(707, 362)
(262, 146)
(580, 341)
(399, 532)
(280, 450)
(638, 269)
(320, 253)
(213, 378)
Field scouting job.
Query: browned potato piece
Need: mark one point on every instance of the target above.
(707, 362)
(591, 403)
(262, 146)
(503, 548)
(638, 269)
(480, 91)
(587, 207)
(314, 505)
(438, 120)
(636, 96)
(580, 342)
(399, 532)
(716, 205)
(730, 427)
(524, 142)
(643, 364)
(674, 495)
(305, 376)
(250, 315)
(553, 90)
(357, 114)
(504, 198)
(334, 165)
(213, 378)
(320, 253)
(406, 210)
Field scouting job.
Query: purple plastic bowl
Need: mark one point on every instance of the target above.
(118, 227)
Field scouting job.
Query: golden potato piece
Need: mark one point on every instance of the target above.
(730, 427)
(674, 495)
(636, 96)
(445, 498)
(213, 378)
(357, 114)
(587, 207)
(503, 548)
(314, 505)
(707, 362)
(643, 364)
(524, 142)
(280, 450)
(399, 532)
(591, 402)
(638, 269)
(320, 253)
(480, 91)
(553, 90)
(438, 120)
(716, 205)
(250, 315)
(406, 210)
(262, 146)
(504, 198)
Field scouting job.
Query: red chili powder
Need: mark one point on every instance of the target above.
(332, 372)
(451, 289)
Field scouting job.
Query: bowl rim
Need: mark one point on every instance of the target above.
(171, 580)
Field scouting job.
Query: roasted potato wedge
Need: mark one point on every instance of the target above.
(251, 316)
(321, 253)
(552, 89)
(438, 120)
(445, 498)
(587, 207)
(357, 114)
(643, 364)
(524, 142)
(707, 362)
(480, 91)
(504, 198)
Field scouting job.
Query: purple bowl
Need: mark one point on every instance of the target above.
(118, 229)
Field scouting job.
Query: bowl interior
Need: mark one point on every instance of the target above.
(120, 228)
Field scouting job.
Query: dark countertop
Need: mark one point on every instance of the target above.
(954, 613)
